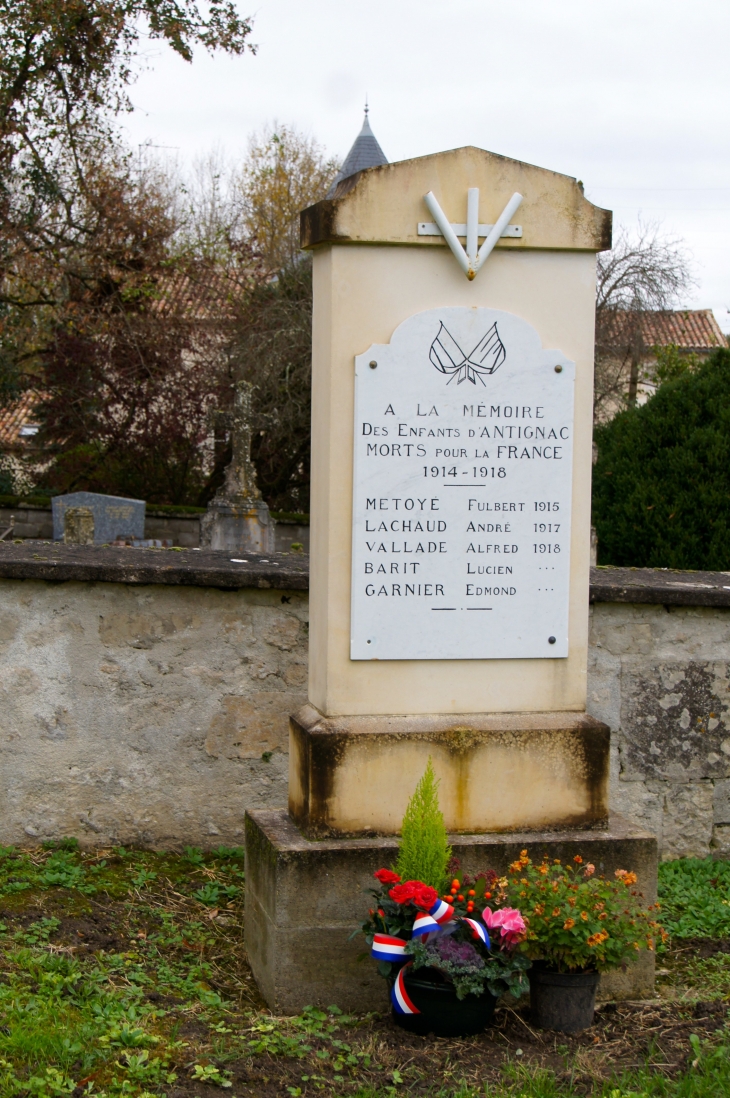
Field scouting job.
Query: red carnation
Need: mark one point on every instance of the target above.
(387, 876)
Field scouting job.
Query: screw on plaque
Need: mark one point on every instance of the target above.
(551, 640)
(558, 369)
(373, 364)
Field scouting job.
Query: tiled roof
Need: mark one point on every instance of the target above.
(690, 329)
(17, 420)
(365, 153)
(207, 294)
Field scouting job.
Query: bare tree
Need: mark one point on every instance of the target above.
(643, 273)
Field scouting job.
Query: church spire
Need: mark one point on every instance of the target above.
(365, 153)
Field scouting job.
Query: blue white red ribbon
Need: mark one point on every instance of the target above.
(386, 948)
(402, 1003)
(479, 931)
(424, 926)
(441, 912)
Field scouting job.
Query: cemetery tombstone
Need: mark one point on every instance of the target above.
(113, 516)
(454, 310)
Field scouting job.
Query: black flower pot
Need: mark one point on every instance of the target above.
(441, 1013)
(564, 1001)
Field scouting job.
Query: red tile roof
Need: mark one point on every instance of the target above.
(689, 329)
(206, 295)
(693, 329)
(19, 417)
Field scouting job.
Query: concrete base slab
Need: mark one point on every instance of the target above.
(497, 771)
(304, 899)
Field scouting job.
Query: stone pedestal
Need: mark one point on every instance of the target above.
(242, 526)
(304, 899)
(497, 772)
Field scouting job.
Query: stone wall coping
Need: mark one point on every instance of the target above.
(56, 562)
(59, 563)
(667, 586)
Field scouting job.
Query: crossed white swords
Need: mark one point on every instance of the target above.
(472, 258)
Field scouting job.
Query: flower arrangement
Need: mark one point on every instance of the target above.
(577, 920)
(418, 922)
(473, 949)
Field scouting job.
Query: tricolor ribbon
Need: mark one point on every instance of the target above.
(425, 926)
(479, 931)
(441, 912)
(385, 948)
(402, 1003)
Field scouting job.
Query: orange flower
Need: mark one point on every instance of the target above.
(539, 909)
(568, 924)
(556, 911)
(542, 868)
(584, 916)
(578, 860)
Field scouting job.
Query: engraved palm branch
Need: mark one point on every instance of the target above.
(448, 357)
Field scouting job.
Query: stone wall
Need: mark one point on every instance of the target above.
(144, 695)
(138, 713)
(181, 529)
(658, 675)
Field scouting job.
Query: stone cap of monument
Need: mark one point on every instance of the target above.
(384, 205)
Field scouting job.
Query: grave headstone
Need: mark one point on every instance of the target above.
(114, 516)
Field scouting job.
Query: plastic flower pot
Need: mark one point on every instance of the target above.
(564, 1001)
(441, 1013)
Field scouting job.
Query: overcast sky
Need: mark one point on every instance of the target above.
(631, 96)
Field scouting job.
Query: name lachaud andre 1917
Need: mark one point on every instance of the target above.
(462, 491)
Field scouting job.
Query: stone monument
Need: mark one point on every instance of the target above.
(112, 516)
(451, 483)
(237, 518)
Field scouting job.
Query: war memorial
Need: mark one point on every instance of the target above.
(451, 476)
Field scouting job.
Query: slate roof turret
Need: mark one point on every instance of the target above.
(365, 153)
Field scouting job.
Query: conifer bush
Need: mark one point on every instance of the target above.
(424, 851)
(661, 484)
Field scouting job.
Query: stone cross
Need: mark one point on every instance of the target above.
(240, 474)
(238, 518)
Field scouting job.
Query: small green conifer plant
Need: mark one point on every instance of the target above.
(424, 851)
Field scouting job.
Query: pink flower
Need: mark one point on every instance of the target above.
(509, 921)
(589, 870)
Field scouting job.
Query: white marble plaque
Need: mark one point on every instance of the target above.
(462, 491)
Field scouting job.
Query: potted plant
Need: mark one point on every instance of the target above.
(447, 956)
(579, 924)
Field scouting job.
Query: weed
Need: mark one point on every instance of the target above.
(210, 1074)
(695, 898)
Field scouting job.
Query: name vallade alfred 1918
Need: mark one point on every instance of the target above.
(461, 520)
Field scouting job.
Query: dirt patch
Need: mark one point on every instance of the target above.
(624, 1037)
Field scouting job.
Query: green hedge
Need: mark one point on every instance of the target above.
(661, 485)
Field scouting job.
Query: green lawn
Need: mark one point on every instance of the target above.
(124, 974)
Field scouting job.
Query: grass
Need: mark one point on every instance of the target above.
(123, 973)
